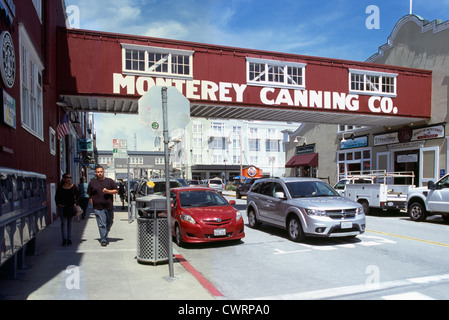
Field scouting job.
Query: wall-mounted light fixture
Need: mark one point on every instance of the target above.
(298, 139)
(352, 137)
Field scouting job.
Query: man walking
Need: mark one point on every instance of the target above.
(101, 191)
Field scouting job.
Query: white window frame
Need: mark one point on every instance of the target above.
(38, 7)
(254, 144)
(218, 143)
(347, 162)
(365, 74)
(52, 139)
(272, 145)
(197, 143)
(197, 158)
(168, 55)
(268, 65)
(197, 128)
(436, 152)
(218, 129)
(31, 86)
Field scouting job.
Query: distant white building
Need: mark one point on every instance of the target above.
(215, 147)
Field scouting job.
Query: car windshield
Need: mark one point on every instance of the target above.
(302, 189)
(201, 199)
(214, 182)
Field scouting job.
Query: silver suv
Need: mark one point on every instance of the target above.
(304, 207)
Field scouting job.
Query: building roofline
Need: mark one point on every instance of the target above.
(236, 51)
(436, 26)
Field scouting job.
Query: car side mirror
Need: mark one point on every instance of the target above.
(431, 185)
(232, 202)
(279, 195)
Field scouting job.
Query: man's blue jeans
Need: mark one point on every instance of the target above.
(105, 219)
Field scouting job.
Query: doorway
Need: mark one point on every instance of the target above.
(407, 161)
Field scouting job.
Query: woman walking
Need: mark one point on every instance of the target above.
(66, 198)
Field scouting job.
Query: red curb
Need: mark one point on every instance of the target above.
(201, 279)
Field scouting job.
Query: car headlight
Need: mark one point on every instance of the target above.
(316, 212)
(187, 218)
(359, 211)
(238, 215)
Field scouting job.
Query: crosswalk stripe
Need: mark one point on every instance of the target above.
(408, 296)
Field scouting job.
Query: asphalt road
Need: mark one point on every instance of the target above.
(394, 259)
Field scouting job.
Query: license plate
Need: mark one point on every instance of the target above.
(346, 225)
(219, 232)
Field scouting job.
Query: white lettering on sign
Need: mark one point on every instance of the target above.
(382, 105)
(233, 92)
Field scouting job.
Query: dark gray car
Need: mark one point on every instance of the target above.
(304, 207)
(243, 189)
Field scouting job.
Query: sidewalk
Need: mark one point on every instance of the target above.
(88, 271)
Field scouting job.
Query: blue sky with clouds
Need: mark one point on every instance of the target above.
(327, 28)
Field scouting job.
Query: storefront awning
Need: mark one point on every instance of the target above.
(310, 160)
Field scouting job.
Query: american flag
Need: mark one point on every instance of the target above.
(63, 128)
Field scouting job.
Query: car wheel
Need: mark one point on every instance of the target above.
(294, 229)
(365, 206)
(178, 236)
(417, 212)
(252, 219)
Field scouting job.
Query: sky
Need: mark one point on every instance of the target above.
(341, 29)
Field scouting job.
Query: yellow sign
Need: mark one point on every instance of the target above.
(150, 184)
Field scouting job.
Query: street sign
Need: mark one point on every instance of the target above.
(120, 148)
(150, 110)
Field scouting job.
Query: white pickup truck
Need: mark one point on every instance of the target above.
(431, 200)
(378, 190)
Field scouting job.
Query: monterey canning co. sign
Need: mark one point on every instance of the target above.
(226, 92)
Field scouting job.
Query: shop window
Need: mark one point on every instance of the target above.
(353, 160)
(275, 73)
(307, 171)
(156, 61)
(371, 82)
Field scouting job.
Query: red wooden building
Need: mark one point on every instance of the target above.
(107, 72)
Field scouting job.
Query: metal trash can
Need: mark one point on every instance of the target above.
(152, 230)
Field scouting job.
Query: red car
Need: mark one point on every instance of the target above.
(203, 215)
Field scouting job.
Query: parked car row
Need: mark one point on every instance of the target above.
(304, 207)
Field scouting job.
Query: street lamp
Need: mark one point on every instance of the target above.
(225, 175)
(241, 152)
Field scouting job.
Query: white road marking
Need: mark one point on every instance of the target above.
(332, 293)
(408, 296)
(373, 241)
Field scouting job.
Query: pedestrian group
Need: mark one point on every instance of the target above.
(71, 200)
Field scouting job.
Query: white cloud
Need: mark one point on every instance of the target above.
(120, 126)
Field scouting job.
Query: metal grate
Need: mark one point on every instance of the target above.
(152, 240)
